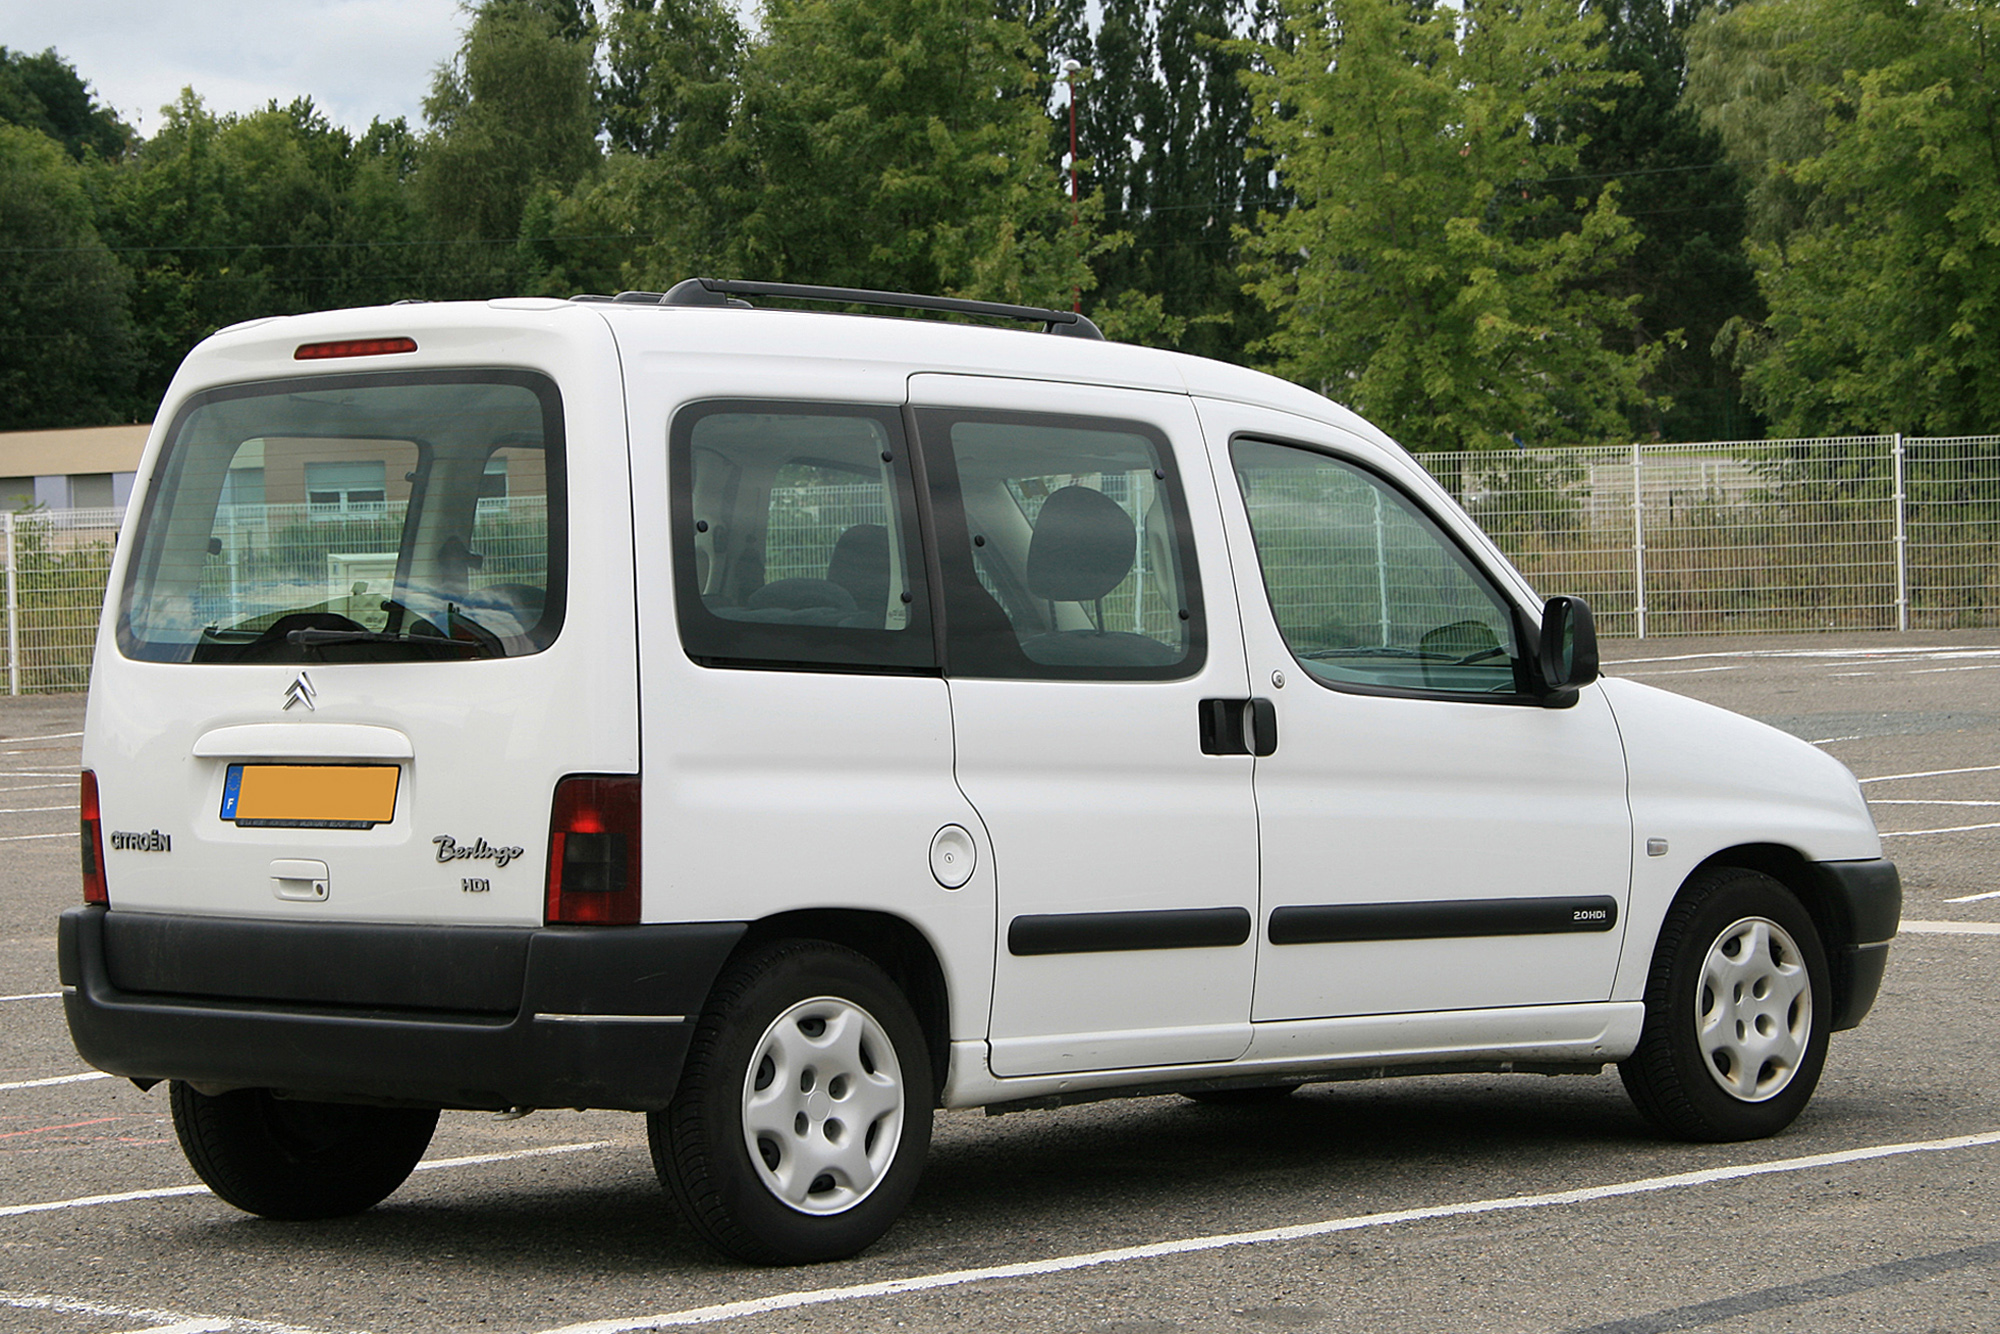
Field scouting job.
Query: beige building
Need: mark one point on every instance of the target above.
(88, 467)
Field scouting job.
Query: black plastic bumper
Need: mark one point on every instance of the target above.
(1867, 901)
(479, 1017)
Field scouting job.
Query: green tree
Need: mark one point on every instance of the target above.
(1869, 130)
(660, 210)
(234, 217)
(66, 346)
(1439, 269)
(1165, 124)
(903, 144)
(45, 93)
(511, 117)
(1689, 269)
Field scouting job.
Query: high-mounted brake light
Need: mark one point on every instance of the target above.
(593, 877)
(94, 890)
(354, 347)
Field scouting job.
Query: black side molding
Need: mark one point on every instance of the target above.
(1321, 924)
(1104, 932)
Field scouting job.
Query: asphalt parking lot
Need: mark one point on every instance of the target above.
(1513, 1203)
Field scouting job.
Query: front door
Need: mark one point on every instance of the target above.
(1433, 838)
(1089, 615)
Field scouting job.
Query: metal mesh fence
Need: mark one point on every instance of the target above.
(1722, 537)
(57, 564)
(1847, 533)
(1953, 509)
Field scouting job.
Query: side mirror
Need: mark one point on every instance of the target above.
(1567, 656)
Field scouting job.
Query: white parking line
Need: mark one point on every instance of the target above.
(58, 1079)
(1975, 898)
(1951, 928)
(46, 736)
(23, 838)
(169, 1192)
(1934, 773)
(159, 1322)
(1678, 671)
(1925, 801)
(1833, 656)
(791, 1301)
(1949, 829)
(35, 810)
(34, 995)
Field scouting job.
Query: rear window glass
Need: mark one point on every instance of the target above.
(377, 518)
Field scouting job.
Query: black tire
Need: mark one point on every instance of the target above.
(806, 1038)
(296, 1160)
(1262, 1096)
(1736, 1061)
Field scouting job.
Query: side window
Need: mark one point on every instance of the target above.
(1367, 590)
(795, 538)
(1064, 548)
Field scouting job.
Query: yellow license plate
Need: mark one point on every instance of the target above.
(311, 796)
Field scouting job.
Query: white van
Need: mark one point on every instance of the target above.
(784, 723)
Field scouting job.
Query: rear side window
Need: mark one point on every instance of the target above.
(1064, 546)
(795, 538)
(373, 518)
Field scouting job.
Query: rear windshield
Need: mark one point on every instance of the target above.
(368, 518)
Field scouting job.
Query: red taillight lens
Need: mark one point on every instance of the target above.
(354, 347)
(93, 842)
(594, 851)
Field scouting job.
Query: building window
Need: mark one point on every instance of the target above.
(343, 488)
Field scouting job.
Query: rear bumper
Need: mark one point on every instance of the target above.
(478, 1017)
(1867, 900)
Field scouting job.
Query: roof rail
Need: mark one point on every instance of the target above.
(724, 291)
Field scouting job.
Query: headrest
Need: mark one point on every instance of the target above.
(860, 564)
(1082, 547)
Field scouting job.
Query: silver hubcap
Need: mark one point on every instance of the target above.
(1753, 1011)
(823, 1105)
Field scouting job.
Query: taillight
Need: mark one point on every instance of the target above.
(93, 842)
(594, 851)
(353, 347)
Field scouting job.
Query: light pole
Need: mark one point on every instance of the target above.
(1072, 68)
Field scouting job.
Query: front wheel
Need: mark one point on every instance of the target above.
(804, 1112)
(290, 1159)
(1736, 1012)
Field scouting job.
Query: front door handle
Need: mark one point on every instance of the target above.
(1239, 727)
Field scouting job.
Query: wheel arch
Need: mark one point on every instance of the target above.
(895, 945)
(1795, 871)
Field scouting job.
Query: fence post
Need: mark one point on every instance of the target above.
(1902, 537)
(1639, 539)
(13, 611)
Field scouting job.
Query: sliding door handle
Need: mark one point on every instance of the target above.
(1239, 727)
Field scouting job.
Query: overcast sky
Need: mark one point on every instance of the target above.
(356, 59)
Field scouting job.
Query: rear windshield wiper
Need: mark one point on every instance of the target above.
(316, 635)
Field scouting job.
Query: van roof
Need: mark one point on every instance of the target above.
(917, 345)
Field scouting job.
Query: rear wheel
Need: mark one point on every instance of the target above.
(804, 1112)
(289, 1159)
(1736, 1011)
